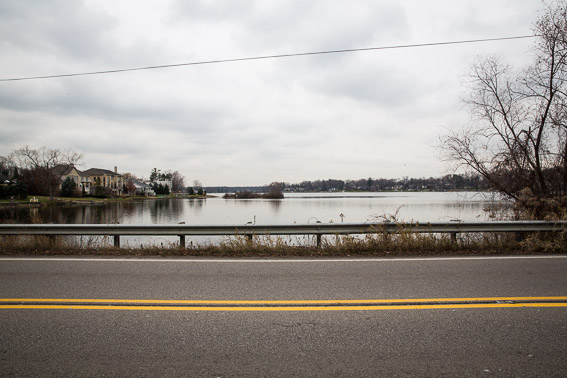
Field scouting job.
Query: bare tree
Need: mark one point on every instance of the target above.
(6, 165)
(177, 182)
(129, 179)
(130, 187)
(43, 161)
(518, 141)
(198, 187)
(275, 190)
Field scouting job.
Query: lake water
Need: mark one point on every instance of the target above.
(294, 208)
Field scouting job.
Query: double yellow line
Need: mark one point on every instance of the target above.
(281, 305)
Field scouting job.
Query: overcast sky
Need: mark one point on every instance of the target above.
(346, 116)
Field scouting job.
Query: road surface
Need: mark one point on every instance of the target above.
(428, 317)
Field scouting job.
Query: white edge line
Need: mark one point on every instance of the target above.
(282, 260)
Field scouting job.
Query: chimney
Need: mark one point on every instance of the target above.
(115, 169)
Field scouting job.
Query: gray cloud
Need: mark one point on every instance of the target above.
(64, 29)
(344, 115)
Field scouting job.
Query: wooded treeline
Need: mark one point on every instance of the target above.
(447, 182)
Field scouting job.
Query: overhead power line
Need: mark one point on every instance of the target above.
(268, 57)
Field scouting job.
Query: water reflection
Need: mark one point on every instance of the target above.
(195, 204)
(295, 208)
(276, 203)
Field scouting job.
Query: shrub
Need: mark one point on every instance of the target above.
(69, 188)
(17, 191)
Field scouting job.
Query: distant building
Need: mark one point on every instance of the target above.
(109, 180)
(143, 188)
(87, 181)
(63, 171)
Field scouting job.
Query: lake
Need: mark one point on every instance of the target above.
(294, 208)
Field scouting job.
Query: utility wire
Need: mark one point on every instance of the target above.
(268, 57)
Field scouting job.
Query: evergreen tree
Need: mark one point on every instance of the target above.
(68, 188)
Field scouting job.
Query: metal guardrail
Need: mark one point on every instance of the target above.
(318, 229)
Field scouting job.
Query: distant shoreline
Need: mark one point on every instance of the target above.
(62, 201)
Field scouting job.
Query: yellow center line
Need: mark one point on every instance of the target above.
(280, 305)
(289, 308)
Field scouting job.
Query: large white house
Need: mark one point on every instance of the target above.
(87, 181)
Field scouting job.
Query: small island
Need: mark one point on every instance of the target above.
(274, 192)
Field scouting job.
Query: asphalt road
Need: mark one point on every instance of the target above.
(90, 338)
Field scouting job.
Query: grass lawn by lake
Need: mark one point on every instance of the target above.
(46, 201)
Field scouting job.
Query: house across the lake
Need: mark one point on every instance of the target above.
(93, 180)
(143, 188)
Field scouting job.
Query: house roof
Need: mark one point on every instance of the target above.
(99, 172)
(139, 184)
(64, 169)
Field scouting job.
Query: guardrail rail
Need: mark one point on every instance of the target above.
(318, 229)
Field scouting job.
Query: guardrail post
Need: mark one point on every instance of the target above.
(453, 237)
(250, 237)
(318, 241)
(182, 241)
(116, 241)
